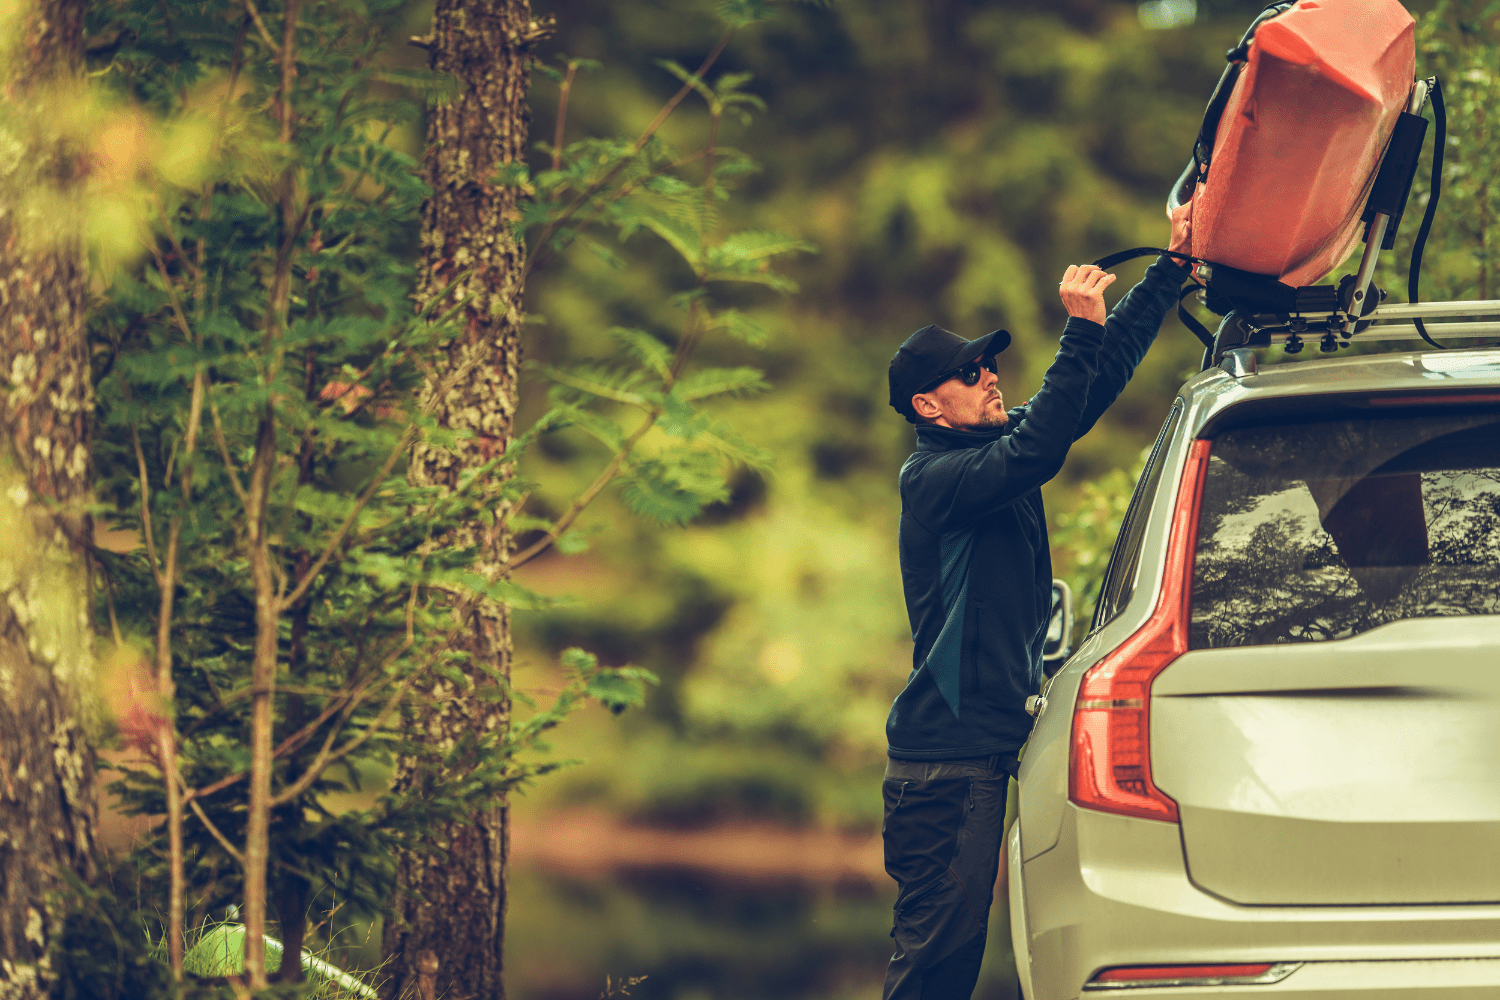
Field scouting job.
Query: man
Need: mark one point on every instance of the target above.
(978, 579)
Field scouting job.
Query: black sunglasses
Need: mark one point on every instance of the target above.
(969, 373)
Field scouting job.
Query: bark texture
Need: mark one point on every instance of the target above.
(446, 931)
(47, 807)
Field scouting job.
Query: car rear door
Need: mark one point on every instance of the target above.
(1332, 735)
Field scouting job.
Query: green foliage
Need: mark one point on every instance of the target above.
(1084, 536)
(673, 460)
(196, 348)
(261, 365)
(949, 163)
(103, 952)
(268, 336)
(1458, 41)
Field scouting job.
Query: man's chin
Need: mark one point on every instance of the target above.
(989, 421)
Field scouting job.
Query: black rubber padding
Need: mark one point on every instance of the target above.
(1397, 168)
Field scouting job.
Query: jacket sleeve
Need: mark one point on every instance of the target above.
(952, 488)
(1129, 332)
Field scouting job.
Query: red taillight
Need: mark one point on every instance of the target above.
(1147, 973)
(1110, 764)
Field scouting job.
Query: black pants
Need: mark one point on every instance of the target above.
(944, 821)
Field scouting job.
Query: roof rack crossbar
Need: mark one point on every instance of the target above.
(1408, 331)
(1431, 310)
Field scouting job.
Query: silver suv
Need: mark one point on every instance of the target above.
(1273, 767)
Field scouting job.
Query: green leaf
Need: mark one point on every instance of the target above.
(595, 382)
(739, 326)
(720, 381)
(439, 87)
(742, 13)
(680, 234)
(601, 429)
(573, 542)
(720, 439)
(645, 348)
(504, 591)
(678, 418)
(756, 246)
(674, 488)
(679, 71)
(619, 688)
(767, 277)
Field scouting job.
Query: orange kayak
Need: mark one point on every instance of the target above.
(1301, 137)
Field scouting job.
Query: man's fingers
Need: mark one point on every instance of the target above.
(1069, 274)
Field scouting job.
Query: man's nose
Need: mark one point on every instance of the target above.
(987, 378)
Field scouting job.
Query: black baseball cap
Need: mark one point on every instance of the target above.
(930, 353)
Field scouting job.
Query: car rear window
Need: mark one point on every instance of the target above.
(1326, 529)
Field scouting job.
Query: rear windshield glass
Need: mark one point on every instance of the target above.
(1323, 530)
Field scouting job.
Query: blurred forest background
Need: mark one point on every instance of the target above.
(948, 160)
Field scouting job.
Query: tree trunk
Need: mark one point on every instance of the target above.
(446, 929)
(47, 808)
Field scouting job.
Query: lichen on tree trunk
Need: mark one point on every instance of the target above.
(451, 904)
(47, 799)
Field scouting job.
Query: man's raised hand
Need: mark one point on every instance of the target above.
(1082, 291)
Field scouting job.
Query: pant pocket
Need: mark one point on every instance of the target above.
(934, 919)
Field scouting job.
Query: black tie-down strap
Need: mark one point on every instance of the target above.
(1188, 319)
(1414, 276)
(1123, 255)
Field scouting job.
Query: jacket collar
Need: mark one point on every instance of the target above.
(933, 437)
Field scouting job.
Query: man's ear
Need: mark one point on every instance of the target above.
(926, 407)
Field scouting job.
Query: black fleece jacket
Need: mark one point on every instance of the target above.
(975, 563)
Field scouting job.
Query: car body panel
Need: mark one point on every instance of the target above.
(1115, 891)
(1092, 890)
(1450, 979)
(1300, 770)
(1020, 935)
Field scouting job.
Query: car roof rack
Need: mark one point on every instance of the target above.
(1450, 321)
(1457, 320)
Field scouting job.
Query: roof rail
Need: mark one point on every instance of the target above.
(1462, 320)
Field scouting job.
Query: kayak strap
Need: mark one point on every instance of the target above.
(1122, 256)
(1414, 276)
(1189, 320)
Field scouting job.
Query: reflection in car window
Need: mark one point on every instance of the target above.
(1324, 530)
(1124, 563)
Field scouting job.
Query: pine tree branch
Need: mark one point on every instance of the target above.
(325, 756)
(586, 497)
(140, 458)
(187, 796)
(377, 481)
(564, 89)
(640, 143)
(229, 466)
(544, 253)
(260, 26)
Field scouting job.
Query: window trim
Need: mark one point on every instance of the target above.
(1156, 459)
